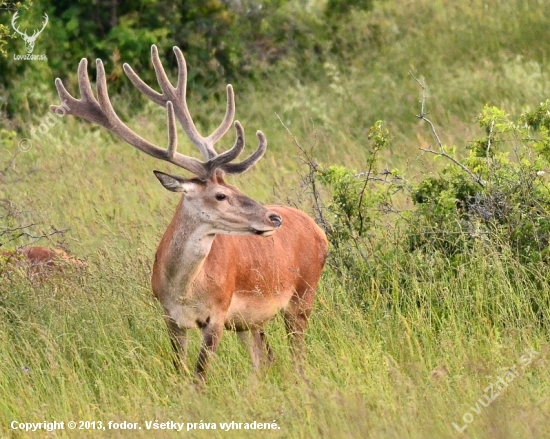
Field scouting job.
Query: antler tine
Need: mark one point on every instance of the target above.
(172, 133)
(223, 159)
(103, 96)
(84, 85)
(156, 97)
(238, 168)
(178, 97)
(227, 119)
(183, 115)
(181, 86)
(165, 84)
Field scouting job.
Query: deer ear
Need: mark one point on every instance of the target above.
(173, 183)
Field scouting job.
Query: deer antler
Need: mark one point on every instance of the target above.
(101, 112)
(177, 95)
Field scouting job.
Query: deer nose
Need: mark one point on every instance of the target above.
(276, 220)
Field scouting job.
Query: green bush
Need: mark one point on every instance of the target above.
(500, 194)
(350, 205)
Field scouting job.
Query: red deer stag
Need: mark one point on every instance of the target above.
(206, 274)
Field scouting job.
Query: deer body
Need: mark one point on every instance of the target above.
(208, 285)
(225, 260)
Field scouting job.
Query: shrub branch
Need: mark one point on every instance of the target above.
(309, 179)
(441, 152)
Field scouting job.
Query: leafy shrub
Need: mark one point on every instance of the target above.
(221, 41)
(356, 198)
(500, 193)
(498, 196)
(350, 204)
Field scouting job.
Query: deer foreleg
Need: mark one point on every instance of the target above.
(211, 335)
(178, 338)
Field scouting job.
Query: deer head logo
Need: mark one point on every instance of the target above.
(29, 40)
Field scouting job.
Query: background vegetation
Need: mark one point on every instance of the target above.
(433, 192)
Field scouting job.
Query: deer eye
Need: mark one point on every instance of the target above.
(221, 197)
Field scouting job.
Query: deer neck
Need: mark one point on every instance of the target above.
(188, 241)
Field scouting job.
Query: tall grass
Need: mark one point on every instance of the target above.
(95, 348)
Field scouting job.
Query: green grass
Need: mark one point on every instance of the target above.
(95, 344)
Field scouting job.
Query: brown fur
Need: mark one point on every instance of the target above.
(255, 269)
